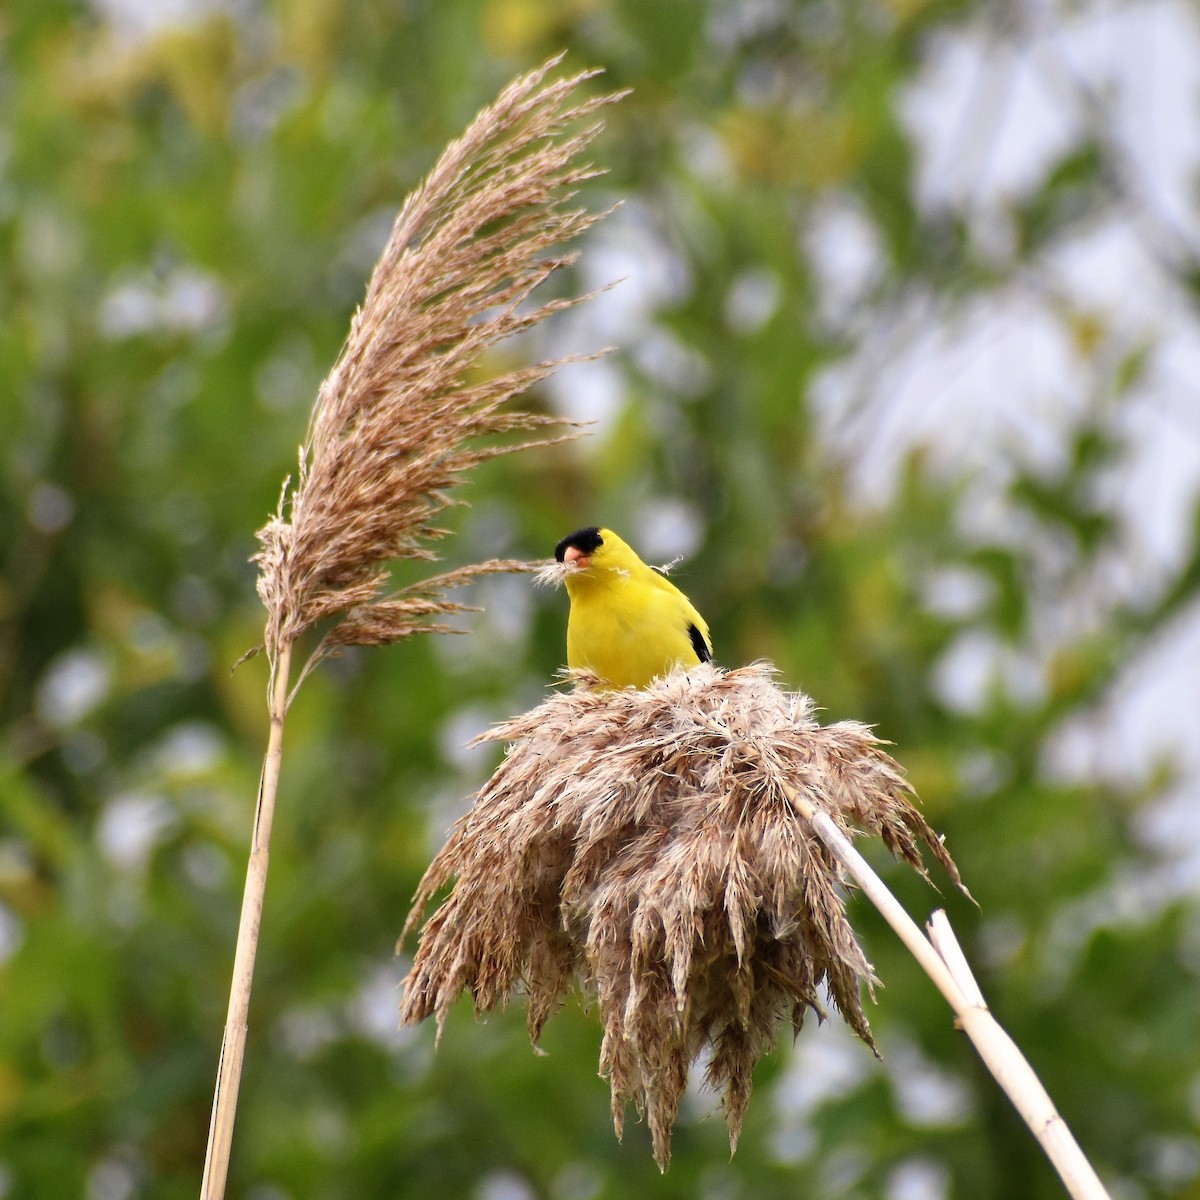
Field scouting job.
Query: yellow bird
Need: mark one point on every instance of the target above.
(628, 622)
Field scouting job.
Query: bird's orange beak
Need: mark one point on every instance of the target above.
(574, 557)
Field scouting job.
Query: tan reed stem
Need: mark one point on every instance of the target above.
(233, 1044)
(942, 959)
(402, 417)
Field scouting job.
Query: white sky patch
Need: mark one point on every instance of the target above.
(205, 867)
(927, 1095)
(752, 300)
(184, 300)
(306, 1030)
(1143, 60)
(1173, 1161)
(967, 670)
(590, 392)
(827, 1062)
(287, 381)
(918, 1178)
(457, 732)
(189, 749)
(1153, 706)
(12, 933)
(120, 1175)
(74, 684)
(1108, 270)
(1155, 489)
(956, 591)
(999, 377)
(374, 1010)
(132, 826)
(673, 366)
(991, 113)
(846, 252)
(978, 662)
(136, 20)
(706, 154)
(497, 632)
(700, 1102)
(1130, 900)
(507, 605)
(50, 508)
(630, 247)
(504, 1185)
(667, 528)
(987, 124)
(630, 251)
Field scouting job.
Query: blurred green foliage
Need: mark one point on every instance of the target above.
(187, 217)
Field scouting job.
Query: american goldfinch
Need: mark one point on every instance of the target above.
(628, 622)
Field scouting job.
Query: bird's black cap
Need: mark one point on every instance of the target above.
(586, 540)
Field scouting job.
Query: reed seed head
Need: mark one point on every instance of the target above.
(400, 418)
(647, 843)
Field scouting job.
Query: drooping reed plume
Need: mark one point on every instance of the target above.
(681, 851)
(400, 419)
(657, 846)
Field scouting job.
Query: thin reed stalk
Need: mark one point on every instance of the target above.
(233, 1043)
(941, 957)
(397, 424)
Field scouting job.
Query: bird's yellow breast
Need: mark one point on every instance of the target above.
(628, 627)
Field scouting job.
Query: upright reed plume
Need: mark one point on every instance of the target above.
(651, 842)
(398, 422)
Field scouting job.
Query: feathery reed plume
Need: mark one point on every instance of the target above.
(650, 842)
(398, 422)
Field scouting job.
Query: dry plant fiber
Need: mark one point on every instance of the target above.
(400, 418)
(647, 843)
(403, 415)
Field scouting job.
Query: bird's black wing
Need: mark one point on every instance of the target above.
(703, 653)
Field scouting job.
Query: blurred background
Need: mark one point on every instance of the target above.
(907, 369)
